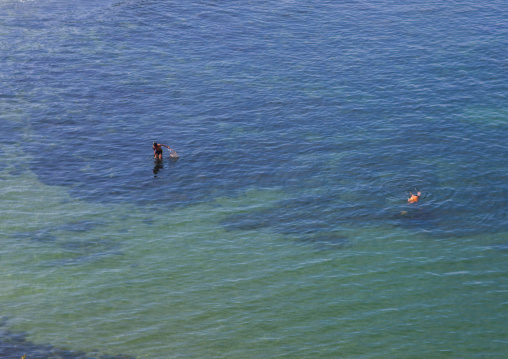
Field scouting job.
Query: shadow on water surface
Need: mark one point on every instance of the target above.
(15, 345)
(159, 164)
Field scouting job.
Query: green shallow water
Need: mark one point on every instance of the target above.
(165, 283)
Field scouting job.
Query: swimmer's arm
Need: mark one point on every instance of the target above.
(165, 146)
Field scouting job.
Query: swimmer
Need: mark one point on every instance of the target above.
(157, 150)
(414, 197)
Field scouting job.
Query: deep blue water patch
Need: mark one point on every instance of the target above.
(256, 97)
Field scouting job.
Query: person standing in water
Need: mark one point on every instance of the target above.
(157, 150)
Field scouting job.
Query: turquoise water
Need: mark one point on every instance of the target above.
(283, 230)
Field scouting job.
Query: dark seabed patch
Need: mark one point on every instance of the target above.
(83, 259)
(76, 250)
(79, 226)
(502, 247)
(333, 240)
(15, 345)
(43, 235)
(86, 251)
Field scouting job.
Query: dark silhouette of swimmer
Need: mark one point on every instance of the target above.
(157, 151)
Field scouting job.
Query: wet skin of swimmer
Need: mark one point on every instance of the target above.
(157, 150)
(414, 197)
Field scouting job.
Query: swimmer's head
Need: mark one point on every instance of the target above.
(155, 143)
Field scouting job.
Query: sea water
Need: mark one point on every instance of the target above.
(283, 230)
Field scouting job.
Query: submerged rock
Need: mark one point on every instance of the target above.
(15, 345)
